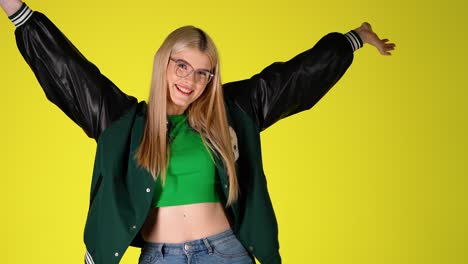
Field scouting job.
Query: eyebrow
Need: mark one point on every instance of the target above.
(191, 65)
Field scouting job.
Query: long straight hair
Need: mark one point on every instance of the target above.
(206, 115)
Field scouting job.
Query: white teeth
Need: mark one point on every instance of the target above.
(187, 91)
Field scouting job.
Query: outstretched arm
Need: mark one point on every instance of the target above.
(68, 79)
(286, 88)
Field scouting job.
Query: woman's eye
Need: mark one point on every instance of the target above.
(203, 73)
(182, 65)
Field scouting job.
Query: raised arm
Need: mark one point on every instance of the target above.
(285, 88)
(68, 79)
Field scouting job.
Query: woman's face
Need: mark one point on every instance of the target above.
(185, 90)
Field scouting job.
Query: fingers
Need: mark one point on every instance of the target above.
(384, 42)
(385, 49)
(389, 46)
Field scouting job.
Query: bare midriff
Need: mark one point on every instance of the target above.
(182, 223)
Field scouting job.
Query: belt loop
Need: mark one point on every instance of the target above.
(161, 251)
(208, 246)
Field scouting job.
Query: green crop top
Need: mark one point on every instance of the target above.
(190, 176)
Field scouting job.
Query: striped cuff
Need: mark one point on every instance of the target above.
(354, 40)
(88, 258)
(21, 16)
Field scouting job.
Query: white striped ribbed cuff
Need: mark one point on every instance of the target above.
(354, 40)
(21, 16)
(88, 258)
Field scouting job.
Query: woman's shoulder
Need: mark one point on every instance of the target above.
(141, 108)
(125, 123)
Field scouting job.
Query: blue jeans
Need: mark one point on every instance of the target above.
(222, 248)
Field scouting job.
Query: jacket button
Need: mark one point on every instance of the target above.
(225, 186)
(134, 227)
(251, 248)
(116, 254)
(148, 190)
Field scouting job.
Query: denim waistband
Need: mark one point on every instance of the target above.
(188, 247)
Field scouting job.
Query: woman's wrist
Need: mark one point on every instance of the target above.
(21, 15)
(361, 34)
(354, 40)
(11, 6)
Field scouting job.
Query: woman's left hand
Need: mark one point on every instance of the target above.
(369, 36)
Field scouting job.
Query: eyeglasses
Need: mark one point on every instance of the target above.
(184, 69)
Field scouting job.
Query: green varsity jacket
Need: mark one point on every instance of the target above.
(121, 192)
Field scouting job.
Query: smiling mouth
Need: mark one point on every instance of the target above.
(183, 90)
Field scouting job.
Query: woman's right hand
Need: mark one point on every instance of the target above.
(369, 36)
(10, 6)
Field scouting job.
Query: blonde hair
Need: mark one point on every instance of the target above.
(206, 115)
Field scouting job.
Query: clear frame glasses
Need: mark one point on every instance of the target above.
(184, 69)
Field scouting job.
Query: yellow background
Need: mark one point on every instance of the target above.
(374, 173)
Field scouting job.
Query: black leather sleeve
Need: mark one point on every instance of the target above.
(285, 88)
(68, 79)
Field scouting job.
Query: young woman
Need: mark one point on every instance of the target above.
(181, 176)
